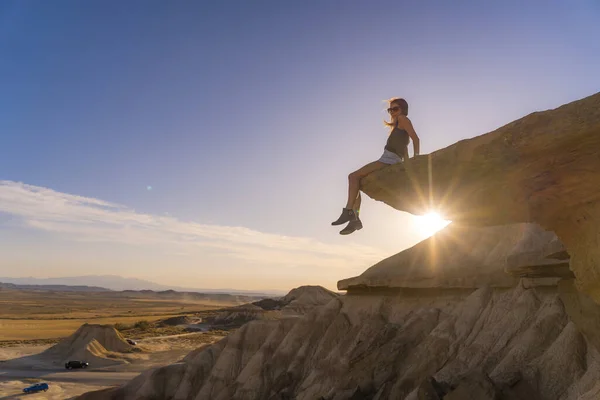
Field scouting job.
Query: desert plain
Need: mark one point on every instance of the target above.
(41, 329)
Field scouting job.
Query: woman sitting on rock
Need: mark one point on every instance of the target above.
(395, 151)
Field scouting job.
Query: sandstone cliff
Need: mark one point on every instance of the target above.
(468, 257)
(543, 168)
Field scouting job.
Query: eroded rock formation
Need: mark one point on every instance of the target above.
(396, 334)
(384, 346)
(543, 168)
(297, 302)
(100, 345)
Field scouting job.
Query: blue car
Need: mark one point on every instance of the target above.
(38, 387)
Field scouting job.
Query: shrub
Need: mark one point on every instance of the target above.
(122, 327)
(142, 325)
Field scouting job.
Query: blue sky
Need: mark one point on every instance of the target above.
(244, 118)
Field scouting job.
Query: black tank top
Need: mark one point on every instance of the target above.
(398, 141)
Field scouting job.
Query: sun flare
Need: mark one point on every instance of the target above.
(431, 223)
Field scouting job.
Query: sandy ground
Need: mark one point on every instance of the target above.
(32, 322)
(166, 350)
(8, 353)
(57, 390)
(154, 351)
(21, 365)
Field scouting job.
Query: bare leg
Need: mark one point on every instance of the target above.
(354, 180)
(356, 205)
(350, 212)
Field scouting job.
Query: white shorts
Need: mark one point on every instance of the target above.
(389, 158)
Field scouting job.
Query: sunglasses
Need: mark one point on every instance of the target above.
(393, 109)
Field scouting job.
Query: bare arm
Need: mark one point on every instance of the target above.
(408, 126)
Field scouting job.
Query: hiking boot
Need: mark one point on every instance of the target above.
(347, 216)
(352, 226)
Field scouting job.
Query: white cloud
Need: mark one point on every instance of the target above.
(88, 219)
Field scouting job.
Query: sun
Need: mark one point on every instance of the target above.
(431, 223)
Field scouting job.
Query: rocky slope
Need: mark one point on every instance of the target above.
(386, 346)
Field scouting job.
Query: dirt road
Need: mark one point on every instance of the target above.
(102, 378)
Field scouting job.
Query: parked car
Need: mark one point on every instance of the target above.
(131, 342)
(76, 364)
(38, 387)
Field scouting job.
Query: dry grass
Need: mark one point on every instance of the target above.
(34, 315)
(27, 329)
(65, 305)
(154, 329)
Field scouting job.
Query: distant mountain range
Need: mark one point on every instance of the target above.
(119, 283)
(57, 288)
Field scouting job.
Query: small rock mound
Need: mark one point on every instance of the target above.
(298, 301)
(304, 298)
(96, 344)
